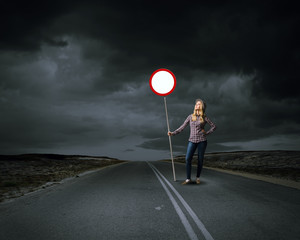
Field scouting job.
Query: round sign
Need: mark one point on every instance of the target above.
(162, 82)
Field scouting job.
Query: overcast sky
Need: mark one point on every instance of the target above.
(74, 75)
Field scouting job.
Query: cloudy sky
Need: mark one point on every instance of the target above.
(74, 75)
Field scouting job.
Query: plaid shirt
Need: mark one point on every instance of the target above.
(196, 135)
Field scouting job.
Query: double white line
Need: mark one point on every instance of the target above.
(180, 213)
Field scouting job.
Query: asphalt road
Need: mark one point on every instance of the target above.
(140, 200)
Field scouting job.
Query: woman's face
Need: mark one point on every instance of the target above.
(198, 105)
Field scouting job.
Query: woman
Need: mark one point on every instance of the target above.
(197, 121)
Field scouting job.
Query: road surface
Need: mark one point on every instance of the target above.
(140, 200)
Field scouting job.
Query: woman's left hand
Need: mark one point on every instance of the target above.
(203, 131)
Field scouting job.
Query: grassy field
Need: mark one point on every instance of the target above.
(20, 174)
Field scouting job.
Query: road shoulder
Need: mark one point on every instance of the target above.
(278, 181)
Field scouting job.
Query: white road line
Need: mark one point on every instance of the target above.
(200, 225)
(181, 215)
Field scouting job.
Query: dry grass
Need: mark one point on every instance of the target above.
(20, 174)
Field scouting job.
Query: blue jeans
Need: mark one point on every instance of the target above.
(189, 157)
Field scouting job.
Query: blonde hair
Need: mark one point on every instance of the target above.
(201, 112)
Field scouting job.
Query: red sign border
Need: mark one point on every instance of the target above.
(166, 70)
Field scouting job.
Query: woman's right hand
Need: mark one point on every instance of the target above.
(169, 134)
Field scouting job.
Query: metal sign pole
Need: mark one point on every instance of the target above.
(170, 139)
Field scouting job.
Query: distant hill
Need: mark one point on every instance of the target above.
(37, 156)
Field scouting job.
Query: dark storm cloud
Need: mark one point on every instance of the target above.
(25, 24)
(236, 36)
(76, 73)
(242, 37)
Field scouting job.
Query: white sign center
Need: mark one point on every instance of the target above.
(162, 82)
